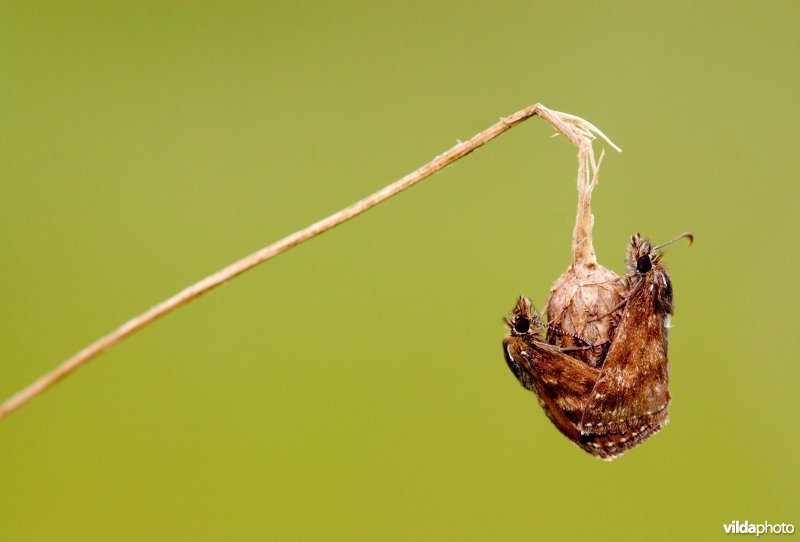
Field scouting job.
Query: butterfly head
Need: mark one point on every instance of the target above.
(644, 267)
(524, 319)
(642, 257)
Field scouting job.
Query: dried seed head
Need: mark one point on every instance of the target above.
(582, 302)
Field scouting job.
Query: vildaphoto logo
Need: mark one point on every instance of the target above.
(745, 527)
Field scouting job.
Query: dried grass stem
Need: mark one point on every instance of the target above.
(577, 130)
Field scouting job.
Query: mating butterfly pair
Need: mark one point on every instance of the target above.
(611, 408)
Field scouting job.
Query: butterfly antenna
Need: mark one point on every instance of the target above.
(687, 234)
(554, 328)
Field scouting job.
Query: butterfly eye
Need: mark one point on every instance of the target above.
(522, 324)
(643, 264)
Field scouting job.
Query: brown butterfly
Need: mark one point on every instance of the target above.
(627, 397)
(562, 383)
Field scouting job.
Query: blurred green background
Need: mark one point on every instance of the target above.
(354, 388)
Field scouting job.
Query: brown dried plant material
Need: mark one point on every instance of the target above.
(584, 301)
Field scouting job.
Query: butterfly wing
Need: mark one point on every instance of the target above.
(629, 401)
(562, 383)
